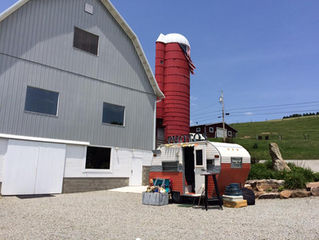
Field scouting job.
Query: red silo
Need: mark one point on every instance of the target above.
(172, 72)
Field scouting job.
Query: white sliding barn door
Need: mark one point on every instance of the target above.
(50, 168)
(33, 168)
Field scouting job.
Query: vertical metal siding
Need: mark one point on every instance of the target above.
(41, 32)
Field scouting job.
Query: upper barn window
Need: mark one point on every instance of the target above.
(41, 101)
(85, 41)
(113, 114)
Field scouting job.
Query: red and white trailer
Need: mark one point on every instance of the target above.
(183, 164)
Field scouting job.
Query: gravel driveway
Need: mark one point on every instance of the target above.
(113, 215)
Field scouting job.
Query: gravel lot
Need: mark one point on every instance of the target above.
(113, 215)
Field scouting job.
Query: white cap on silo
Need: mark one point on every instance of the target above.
(173, 38)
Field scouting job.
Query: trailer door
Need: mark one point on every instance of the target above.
(200, 160)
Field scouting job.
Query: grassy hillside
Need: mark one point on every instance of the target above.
(298, 138)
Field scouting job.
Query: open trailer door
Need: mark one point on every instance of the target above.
(200, 160)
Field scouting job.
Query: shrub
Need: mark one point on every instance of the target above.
(316, 177)
(260, 171)
(268, 164)
(294, 180)
(281, 188)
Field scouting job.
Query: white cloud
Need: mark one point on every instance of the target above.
(248, 113)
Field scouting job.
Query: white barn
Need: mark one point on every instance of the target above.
(77, 99)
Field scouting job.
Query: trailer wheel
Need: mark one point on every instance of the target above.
(176, 197)
(249, 196)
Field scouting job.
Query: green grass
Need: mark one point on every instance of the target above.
(299, 137)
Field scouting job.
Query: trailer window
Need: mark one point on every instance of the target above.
(236, 162)
(199, 157)
(170, 166)
(98, 158)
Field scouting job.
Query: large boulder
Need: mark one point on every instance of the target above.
(278, 162)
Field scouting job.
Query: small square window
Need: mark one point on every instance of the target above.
(236, 162)
(198, 129)
(211, 129)
(85, 41)
(98, 158)
(41, 101)
(113, 114)
(230, 133)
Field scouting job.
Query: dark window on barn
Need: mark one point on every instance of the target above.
(211, 129)
(198, 129)
(85, 41)
(199, 158)
(113, 114)
(98, 158)
(41, 101)
(170, 166)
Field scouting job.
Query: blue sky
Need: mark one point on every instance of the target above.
(264, 55)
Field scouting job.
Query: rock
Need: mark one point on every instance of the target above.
(270, 195)
(300, 193)
(315, 191)
(285, 194)
(278, 162)
(311, 185)
(248, 186)
(265, 184)
(258, 194)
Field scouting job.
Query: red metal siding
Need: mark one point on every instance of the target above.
(175, 177)
(229, 175)
(172, 73)
(159, 75)
(177, 91)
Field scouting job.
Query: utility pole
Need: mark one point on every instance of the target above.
(221, 100)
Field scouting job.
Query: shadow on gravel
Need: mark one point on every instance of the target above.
(34, 196)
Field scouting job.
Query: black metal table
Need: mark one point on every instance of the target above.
(207, 174)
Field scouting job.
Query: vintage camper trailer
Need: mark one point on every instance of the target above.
(183, 164)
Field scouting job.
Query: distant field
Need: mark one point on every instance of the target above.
(298, 138)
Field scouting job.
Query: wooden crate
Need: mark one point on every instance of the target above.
(235, 204)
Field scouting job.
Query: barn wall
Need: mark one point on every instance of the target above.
(42, 31)
(3, 150)
(121, 160)
(36, 49)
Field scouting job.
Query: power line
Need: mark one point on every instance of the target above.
(261, 108)
(264, 106)
(258, 114)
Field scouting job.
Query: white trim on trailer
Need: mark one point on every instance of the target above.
(38, 139)
(126, 28)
